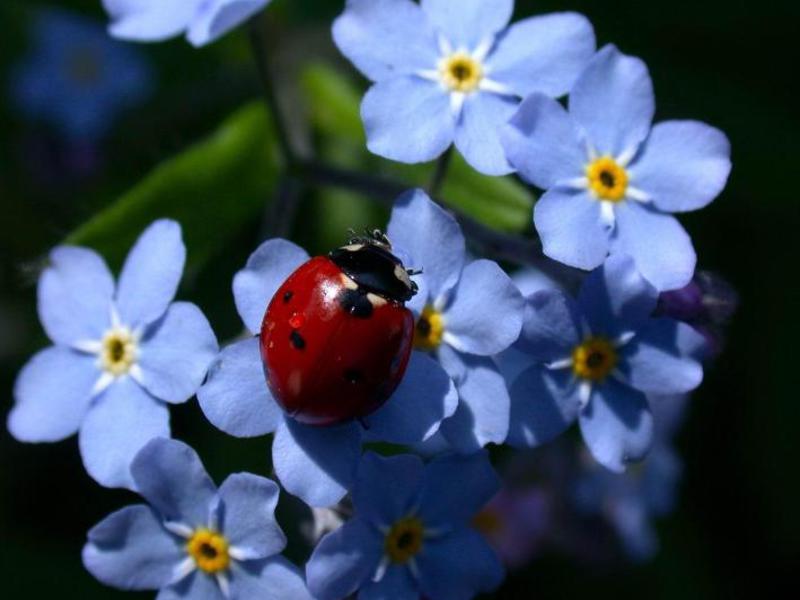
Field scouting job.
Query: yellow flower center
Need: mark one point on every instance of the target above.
(607, 179)
(594, 359)
(119, 351)
(404, 540)
(460, 72)
(209, 550)
(429, 329)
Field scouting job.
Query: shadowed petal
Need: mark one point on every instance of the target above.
(131, 550)
(551, 328)
(265, 271)
(617, 425)
(272, 579)
(235, 397)
(217, 17)
(318, 464)
(386, 488)
(478, 132)
(344, 560)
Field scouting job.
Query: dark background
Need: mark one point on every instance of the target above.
(729, 63)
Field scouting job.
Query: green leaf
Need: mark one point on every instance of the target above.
(213, 189)
(333, 101)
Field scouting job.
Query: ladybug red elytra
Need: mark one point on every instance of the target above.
(336, 337)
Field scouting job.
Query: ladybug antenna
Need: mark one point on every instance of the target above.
(412, 272)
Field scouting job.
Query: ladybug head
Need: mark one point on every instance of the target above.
(368, 260)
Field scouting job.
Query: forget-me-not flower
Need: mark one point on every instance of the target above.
(612, 178)
(596, 359)
(121, 353)
(202, 21)
(76, 78)
(318, 464)
(466, 312)
(453, 71)
(194, 541)
(410, 536)
(629, 501)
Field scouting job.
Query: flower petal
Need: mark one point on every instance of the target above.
(483, 408)
(459, 566)
(396, 584)
(74, 296)
(386, 488)
(318, 464)
(617, 425)
(131, 550)
(195, 586)
(425, 396)
(344, 560)
(615, 298)
(542, 142)
(235, 397)
(613, 101)
(544, 404)
(485, 313)
(151, 274)
(660, 359)
(265, 271)
(52, 394)
(149, 20)
(246, 515)
(216, 18)
(683, 166)
(572, 229)
(430, 239)
(467, 23)
(660, 247)
(175, 353)
(543, 54)
(478, 132)
(386, 37)
(272, 579)
(116, 427)
(551, 327)
(455, 488)
(171, 477)
(408, 119)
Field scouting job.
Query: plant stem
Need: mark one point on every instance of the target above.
(268, 88)
(440, 173)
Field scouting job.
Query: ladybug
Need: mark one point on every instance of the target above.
(337, 337)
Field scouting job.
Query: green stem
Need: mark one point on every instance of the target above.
(440, 173)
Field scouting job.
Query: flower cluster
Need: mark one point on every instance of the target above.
(466, 356)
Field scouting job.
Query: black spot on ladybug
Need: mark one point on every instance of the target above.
(353, 375)
(287, 296)
(297, 340)
(355, 303)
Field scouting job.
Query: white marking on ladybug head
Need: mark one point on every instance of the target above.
(353, 247)
(376, 300)
(402, 275)
(347, 282)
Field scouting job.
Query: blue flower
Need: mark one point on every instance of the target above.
(122, 353)
(203, 21)
(611, 179)
(629, 501)
(411, 534)
(317, 464)
(453, 71)
(596, 359)
(76, 78)
(194, 541)
(467, 311)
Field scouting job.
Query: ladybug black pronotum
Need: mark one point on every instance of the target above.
(336, 337)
